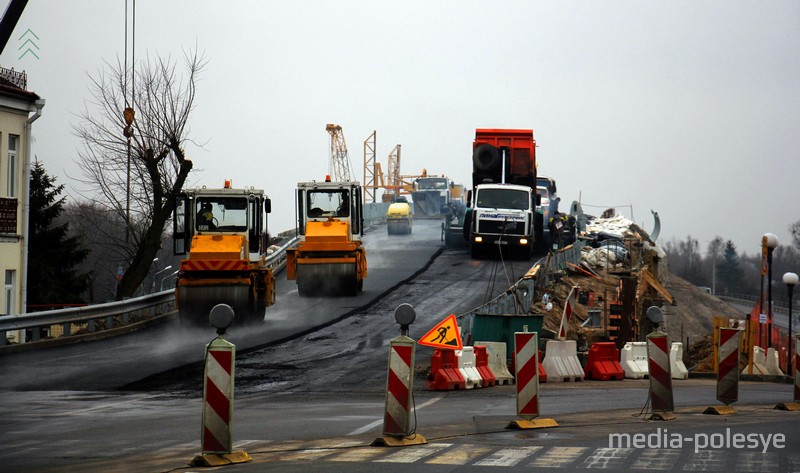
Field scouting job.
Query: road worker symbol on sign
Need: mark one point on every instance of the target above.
(444, 335)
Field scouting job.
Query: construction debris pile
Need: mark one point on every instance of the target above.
(620, 273)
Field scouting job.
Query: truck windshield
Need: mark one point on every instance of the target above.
(544, 195)
(429, 184)
(503, 199)
(328, 203)
(221, 214)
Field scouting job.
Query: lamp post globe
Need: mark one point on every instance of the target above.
(772, 240)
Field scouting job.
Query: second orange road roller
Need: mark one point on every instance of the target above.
(329, 259)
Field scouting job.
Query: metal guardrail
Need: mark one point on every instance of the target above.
(64, 325)
(375, 213)
(776, 301)
(743, 299)
(98, 319)
(520, 297)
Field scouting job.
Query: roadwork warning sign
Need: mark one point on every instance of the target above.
(444, 335)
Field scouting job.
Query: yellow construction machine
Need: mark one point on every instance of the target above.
(398, 216)
(329, 259)
(224, 232)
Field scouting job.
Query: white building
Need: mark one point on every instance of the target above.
(19, 108)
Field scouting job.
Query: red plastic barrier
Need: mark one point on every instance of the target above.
(603, 363)
(482, 364)
(542, 371)
(444, 374)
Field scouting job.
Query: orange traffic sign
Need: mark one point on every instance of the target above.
(444, 335)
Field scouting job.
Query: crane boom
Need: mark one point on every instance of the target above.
(340, 160)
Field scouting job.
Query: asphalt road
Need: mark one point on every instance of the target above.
(314, 401)
(114, 363)
(466, 431)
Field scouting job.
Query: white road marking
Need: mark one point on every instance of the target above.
(558, 457)
(378, 422)
(507, 456)
(607, 458)
(412, 454)
(658, 459)
(460, 455)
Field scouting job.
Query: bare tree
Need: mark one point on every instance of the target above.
(133, 164)
(684, 258)
(795, 231)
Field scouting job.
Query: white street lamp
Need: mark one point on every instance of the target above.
(168, 277)
(772, 243)
(155, 276)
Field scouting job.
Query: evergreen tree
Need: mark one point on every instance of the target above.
(53, 255)
(729, 272)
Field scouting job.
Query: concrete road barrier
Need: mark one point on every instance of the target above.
(561, 361)
(633, 359)
(497, 355)
(677, 367)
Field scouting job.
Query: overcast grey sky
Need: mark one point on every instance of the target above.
(690, 108)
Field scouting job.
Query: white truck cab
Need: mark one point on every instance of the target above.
(503, 216)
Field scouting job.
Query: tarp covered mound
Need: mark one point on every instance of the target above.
(607, 234)
(616, 226)
(603, 257)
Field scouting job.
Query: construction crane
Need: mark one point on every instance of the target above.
(341, 170)
(393, 182)
(373, 176)
(394, 185)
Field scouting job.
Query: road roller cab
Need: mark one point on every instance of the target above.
(329, 259)
(224, 233)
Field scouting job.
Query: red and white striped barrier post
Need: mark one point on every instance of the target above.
(218, 397)
(216, 439)
(399, 386)
(796, 372)
(660, 376)
(563, 329)
(397, 430)
(728, 366)
(794, 406)
(727, 371)
(526, 368)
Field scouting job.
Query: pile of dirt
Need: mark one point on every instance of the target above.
(701, 355)
(689, 318)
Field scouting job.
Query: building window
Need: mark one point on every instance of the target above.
(12, 165)
(10, 276)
